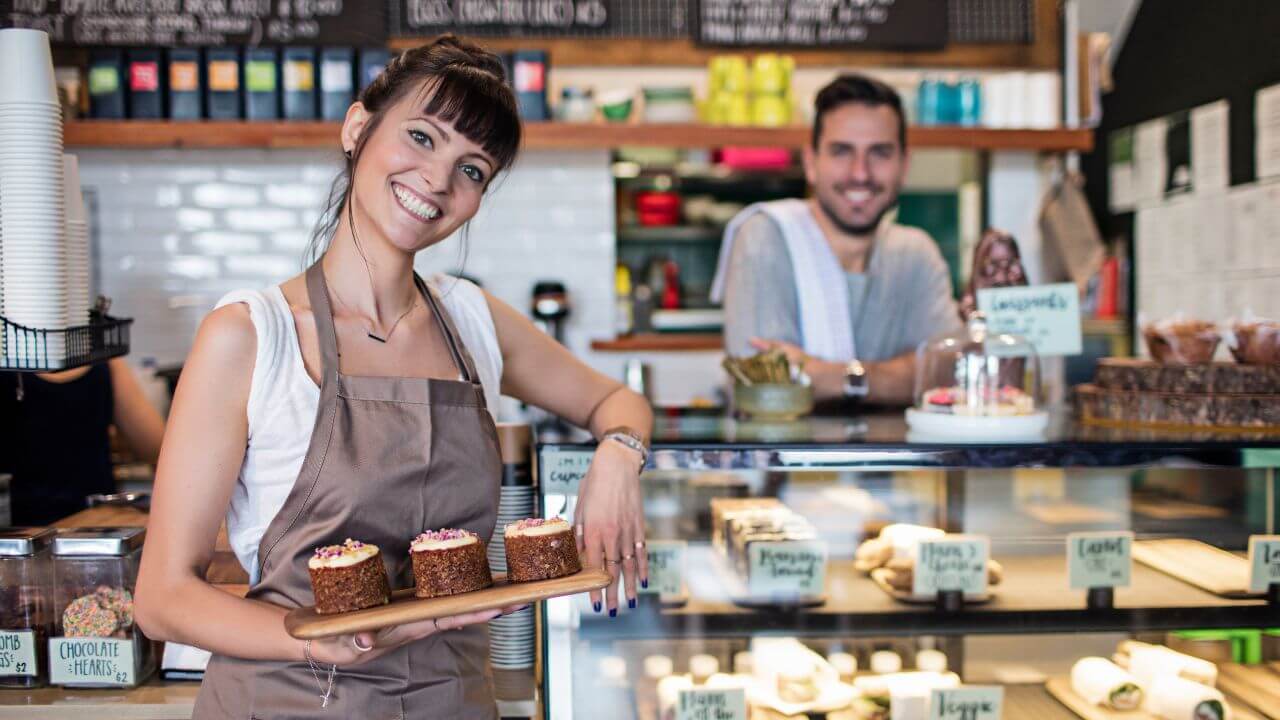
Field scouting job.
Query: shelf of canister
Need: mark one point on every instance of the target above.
(546, 136)
(1032, 598)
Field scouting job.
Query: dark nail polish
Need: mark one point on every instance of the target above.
(613, 612)
(644, 583)
(596, 605)
(631, 603)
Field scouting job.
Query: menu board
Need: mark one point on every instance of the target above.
(541, 18)
(889, 24)
(184, 23)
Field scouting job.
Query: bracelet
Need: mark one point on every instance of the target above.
(630, 439)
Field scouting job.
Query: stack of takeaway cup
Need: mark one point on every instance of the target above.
(77, 240)
(33, 251)
(512, 636)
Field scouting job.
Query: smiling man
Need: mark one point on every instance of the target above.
(831, 279)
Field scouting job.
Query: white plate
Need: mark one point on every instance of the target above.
(940, 427)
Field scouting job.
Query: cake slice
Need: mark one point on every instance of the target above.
(539, 549)
(448, 562)
(348, 577)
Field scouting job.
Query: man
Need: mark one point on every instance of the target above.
(843, 291)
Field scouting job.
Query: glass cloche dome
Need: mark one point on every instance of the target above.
(977, 374)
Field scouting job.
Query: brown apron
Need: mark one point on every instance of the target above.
(389, 458)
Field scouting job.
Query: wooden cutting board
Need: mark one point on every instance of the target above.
(1257, 685)
(880, 577)
(1197, 563)
(306, 624)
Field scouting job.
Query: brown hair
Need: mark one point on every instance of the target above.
(467, 87)
(861, 90)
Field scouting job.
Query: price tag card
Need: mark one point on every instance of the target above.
(666, 567)
(1099, 559)
(1047, 315)
(562, 471)
(17, 653)
(91, 661)
(955, 562)
(712, 704)
(787, 567)
(1264, 562)
(972, 702)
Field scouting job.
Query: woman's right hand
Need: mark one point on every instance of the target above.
(342, 650)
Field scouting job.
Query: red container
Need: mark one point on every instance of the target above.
(657, 208)
(756, 158)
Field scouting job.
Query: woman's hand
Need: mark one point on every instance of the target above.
(609, 522)
(357, 648)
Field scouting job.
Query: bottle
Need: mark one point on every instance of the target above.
(261, 91)
(624, 305)
(970, 102)
(299, 72)
(222, 83)
(184, 84)
(106, 83)
(146, 93)
(928, 100)
(337, 73)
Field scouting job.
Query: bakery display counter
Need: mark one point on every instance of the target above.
(155, 700)
(813, 531)
(1033, 597)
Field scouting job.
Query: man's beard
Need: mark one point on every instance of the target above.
(866, 229)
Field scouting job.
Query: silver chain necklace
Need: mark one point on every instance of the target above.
(325, 692)
(368, 330)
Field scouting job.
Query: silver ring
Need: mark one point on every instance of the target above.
(628, 557)
(355, 642)
(435, 622)
(612, 562)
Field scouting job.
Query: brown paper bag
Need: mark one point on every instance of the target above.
(1069, 232)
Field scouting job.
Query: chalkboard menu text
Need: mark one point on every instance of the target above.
(894, 24)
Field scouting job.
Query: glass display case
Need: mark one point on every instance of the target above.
(800, 569)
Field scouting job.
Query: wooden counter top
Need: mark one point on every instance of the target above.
(154, 700)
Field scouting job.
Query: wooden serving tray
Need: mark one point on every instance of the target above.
(879, 577)
(306, 624)
(1256, 685)
(1060, 689)
(1200, 564)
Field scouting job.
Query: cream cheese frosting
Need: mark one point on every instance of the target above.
(347, 554)
(445, 539)
(536, 526)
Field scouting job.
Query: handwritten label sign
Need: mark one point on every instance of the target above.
(899, 24)
(787, 568)
(973, 702)
(562, 470)
(91, 661)
(1264, 562)
(666, 567)
(1099, 559)
(17, 653)
(1046, 315)
(712, 704)
(956, 562)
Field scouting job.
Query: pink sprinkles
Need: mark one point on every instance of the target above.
(443, 534)
(536, 522)
(348, 546)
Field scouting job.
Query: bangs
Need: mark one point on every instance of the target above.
(479, 105)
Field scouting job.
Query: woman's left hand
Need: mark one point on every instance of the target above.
(609, 522)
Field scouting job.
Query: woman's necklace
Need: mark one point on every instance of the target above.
(368, 330)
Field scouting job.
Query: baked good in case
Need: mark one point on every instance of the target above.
(539, 549)
(348, 577)
(448, 562)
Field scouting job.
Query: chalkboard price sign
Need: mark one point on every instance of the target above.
(187, 23)
(894, 24)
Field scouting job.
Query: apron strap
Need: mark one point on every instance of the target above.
(456, 347)
(322, 311)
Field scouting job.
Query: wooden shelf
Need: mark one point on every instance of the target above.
(545, 136)
(658, 342)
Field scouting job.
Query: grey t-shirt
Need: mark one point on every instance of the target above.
(903, 298)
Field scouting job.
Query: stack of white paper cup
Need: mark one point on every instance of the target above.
(33, 252)
(78, 299)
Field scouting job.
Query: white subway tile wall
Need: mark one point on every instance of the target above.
(175, 230)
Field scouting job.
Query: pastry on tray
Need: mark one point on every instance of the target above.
(894, 551)
(1005, 402)
(348, 577)
(1182, 341)
(1101, 682)
(539, 549)
(448, 562)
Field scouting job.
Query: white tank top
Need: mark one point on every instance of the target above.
(283, 401)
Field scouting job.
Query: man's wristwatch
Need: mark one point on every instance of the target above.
(855, 380)
(629, 438)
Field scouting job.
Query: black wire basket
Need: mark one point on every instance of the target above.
(24, 349)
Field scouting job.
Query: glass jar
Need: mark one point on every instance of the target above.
(977, 384)
(977, 373)
(97, 643)
(26, 618)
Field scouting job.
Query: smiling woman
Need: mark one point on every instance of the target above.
(301, 446)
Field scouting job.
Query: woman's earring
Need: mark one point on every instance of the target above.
(347, 153)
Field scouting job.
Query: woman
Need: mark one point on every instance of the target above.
(391, 440)
(55, 437)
